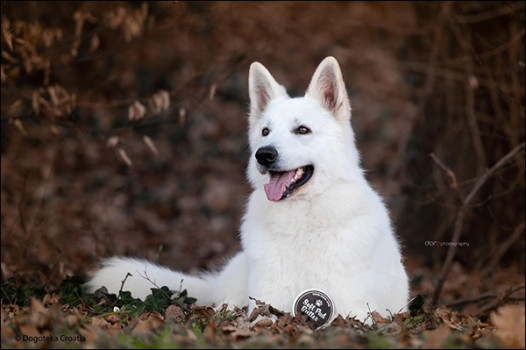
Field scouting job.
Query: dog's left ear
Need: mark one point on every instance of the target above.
(328, 88)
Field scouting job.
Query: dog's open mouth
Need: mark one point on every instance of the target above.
(283, 183)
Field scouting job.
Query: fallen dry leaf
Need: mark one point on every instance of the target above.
(100, 322)
(509, 325)
(436, 338)
(264, 323)
(378, 319)
(209, 332)
(174, 312)
(453, 319)
(149, 322)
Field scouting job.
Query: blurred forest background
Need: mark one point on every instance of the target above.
(124, 129)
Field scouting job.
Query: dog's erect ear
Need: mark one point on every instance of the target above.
(262, 88)
(328, 88)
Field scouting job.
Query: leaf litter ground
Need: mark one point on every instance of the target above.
(71, 318)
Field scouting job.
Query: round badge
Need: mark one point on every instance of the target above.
(316, 305)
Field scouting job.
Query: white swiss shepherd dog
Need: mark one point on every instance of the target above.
(311, 222)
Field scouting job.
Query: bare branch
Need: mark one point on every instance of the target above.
(500, 299)
(429, 84)
(459, 222)
(492, 170)
(450, 175)
(503, 248)
(506, 295)
(490, 14)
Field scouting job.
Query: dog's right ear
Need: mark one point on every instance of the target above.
(328, 88)
(262, 88)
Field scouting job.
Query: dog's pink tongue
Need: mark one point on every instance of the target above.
(277, 185)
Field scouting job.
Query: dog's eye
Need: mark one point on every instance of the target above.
(302, 130)
(265, 131)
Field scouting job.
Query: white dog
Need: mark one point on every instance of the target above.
(312, 221)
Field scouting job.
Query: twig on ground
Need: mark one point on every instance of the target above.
(122, 286)
(124, 281)
(481, 297)
(53, 267)
(145, 276)
(370, 314)
(471, 300)
(500, 299)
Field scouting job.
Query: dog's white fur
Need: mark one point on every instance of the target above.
(333, 233)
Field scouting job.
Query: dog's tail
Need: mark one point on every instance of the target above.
(140, 276)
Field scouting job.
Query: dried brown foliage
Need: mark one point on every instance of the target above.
(48, 324)
(123, 133)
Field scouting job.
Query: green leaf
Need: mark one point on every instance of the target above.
(159, 300)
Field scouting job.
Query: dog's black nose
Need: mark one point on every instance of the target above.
(266, 155)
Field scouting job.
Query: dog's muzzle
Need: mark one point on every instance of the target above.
(282, 182)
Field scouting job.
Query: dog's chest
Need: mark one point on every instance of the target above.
(297, 257)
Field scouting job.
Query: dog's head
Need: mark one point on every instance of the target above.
(300, 146)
